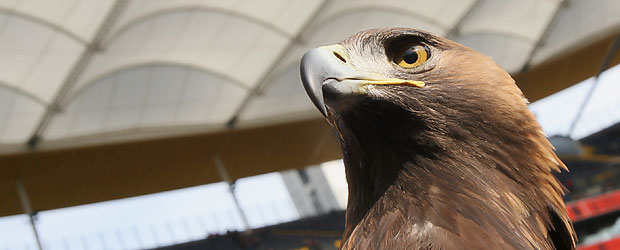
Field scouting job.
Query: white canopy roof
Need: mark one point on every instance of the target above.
(76, 71)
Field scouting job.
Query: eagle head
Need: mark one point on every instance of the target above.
(439, 147)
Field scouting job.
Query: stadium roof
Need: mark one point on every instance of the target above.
(103, 99)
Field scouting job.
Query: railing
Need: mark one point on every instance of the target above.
(595, 206)
(158, 233)
(612, 244)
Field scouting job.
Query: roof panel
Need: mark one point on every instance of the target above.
(509, 52)
(33, 57)
(79, 18)
(207, 99)
(253, 63)
(520, 18)
(283, 99)
(151, 96)
(441, 13)
(269, 11)
(224, 43)
(296, 15)
(282, 15)
(18, 116)
(340, 27)
(52, 67)
(574, 26)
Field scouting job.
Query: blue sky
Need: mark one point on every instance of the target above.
(191, 213)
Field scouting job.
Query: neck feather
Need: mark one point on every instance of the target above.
(397, 151)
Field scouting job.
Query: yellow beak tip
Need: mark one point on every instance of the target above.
(416, 83)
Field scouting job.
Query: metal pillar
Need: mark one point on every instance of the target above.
(231, 188)
(611, 52)
(23, 198)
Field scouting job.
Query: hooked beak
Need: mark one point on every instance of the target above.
(329, 78)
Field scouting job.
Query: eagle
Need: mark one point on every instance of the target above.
(440, 149)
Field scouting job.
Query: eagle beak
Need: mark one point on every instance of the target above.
(329, 77)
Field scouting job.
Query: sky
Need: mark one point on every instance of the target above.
(556, 112)
(192, 213)
(154, 220)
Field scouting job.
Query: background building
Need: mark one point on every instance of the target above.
(310, 191)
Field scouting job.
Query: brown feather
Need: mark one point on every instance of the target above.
(458, 164)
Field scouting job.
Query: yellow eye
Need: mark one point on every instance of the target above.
(412, 57)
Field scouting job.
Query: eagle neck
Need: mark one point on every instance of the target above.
(371, 169)
(400, 162)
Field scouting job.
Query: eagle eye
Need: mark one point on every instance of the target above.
(412, 56)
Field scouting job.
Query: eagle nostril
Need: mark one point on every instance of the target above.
(340, 57)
